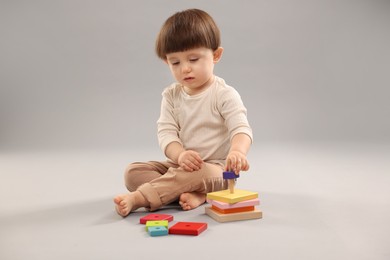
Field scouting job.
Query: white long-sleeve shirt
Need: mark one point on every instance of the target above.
(205, 122)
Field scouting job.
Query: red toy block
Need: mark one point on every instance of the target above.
(188, 228)
(155, 217)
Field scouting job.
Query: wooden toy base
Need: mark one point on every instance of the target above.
(256, 214)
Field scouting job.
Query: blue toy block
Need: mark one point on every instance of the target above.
(158, 231)
(230, 175)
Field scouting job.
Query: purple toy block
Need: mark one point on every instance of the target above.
(230, 175)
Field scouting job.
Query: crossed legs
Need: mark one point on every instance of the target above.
(154, 184)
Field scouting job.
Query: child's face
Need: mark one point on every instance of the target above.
(194, 68)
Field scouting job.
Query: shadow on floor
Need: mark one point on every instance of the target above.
(85, 213)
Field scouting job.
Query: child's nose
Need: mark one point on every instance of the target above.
(186, 68)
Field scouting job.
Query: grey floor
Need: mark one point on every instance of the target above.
(84, 74)
(319, 202)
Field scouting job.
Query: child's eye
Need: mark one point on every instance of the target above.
(194, 59)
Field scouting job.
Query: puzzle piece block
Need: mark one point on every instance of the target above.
(157, 231)
(230, 175)
(224, 205)
(159, 223)
(155, 217)
(233, 210)
(237, 196)
(256, 214)
(188, 228)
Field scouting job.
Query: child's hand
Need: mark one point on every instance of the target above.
(190, 161)
(236, 162)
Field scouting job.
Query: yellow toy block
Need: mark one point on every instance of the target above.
(233, 216)
(156, 223)
(237, 196)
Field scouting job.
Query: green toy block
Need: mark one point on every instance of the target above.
(160, 223)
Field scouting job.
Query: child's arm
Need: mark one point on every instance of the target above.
(188, 160)
(236, 159)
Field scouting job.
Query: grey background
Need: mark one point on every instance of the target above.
(80, 91)
(77, 74)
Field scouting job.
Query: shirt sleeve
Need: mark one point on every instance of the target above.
(234, 113)
(167, 124)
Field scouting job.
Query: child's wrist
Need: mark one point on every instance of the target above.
(239, 152)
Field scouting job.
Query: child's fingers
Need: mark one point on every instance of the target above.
(236, 164)
(192, 164)
(196, 161)
(186, 168)
(230, 163)
(197, 158)
(244, 164)
(246, 167)
(190, 161)
(189, 167)
(194, 157)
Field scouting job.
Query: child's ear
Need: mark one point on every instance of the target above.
(217, 55)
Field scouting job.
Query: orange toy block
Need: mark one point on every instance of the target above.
(233, 210)
(256, 214)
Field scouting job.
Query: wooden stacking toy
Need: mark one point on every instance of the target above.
(233, 204)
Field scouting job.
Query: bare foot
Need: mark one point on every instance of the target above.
(191, 200)
(125, 203)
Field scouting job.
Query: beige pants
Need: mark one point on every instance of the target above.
(163, 182)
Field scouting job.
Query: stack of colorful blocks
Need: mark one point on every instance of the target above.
(233, 204)
(157, 225)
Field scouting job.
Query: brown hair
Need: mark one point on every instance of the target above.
(185, 30)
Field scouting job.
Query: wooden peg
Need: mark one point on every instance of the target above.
(231, 177)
